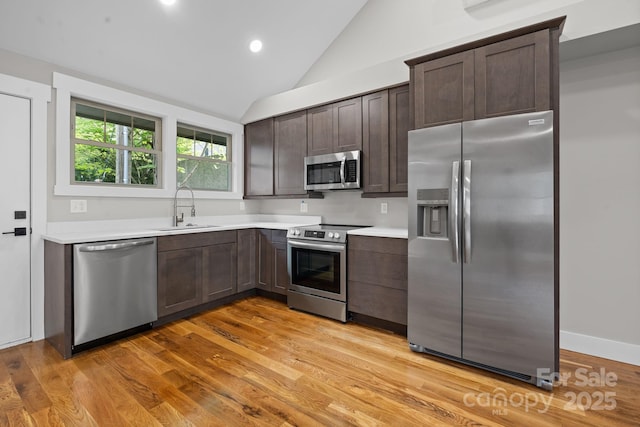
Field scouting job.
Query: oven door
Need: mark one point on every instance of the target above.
(318, 269)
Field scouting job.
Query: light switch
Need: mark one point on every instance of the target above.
(383, 208)
(304, 207)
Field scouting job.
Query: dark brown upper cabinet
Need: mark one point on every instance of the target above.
(375, 142)
(444, 90)
(510, 73)
(335, 127)
(513, 76)
(258, 160)
(290, 149)
(399, 127)
(320, 130)
(385, 126)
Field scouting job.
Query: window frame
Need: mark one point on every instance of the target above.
(170, 114)
(229, 155)
(157, 151)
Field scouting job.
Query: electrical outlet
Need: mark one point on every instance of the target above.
(243, 206)
(78, 206)
(383, 208)
(304, 207)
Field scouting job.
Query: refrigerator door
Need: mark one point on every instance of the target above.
(434, 287)
(508, 270)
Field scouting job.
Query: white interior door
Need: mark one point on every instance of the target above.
(15, 187)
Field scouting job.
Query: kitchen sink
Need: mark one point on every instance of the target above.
(186, 227)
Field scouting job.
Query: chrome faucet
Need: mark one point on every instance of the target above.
(178, 219)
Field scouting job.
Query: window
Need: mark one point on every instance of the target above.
(114, 146)
(203, 159)
(100, 163)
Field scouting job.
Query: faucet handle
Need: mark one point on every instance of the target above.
(180, 218)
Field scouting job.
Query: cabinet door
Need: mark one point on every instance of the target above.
(444, 91)
(320, 130)
(258, 161)
(399, 127)
(246, 260)
(377, 276)
(219, 271)
(513, 76)
(290, 149)
(179, 280)
(347, 125)
(280, 272)
(265, 260)
(375, 142)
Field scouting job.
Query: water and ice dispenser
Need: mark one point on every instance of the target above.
(433, 212)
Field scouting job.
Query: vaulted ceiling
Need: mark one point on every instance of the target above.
(195, 51)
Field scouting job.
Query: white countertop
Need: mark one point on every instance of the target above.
(100, 231)
(398, 233)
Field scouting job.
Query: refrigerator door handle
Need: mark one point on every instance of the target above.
(466, 207)
(453, 212)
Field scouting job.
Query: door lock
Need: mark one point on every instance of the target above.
(18, 231)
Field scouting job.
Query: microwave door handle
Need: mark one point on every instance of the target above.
(343, 163)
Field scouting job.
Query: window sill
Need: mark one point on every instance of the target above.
(155, 193)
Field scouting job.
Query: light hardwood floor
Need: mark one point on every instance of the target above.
(256, 362)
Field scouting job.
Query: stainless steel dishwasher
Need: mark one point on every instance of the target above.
(114, 287)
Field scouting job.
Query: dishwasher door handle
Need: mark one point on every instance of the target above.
(115, 246)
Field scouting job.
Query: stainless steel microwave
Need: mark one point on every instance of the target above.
(336, 171)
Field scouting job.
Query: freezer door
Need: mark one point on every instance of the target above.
(508, 269)
(434, 288)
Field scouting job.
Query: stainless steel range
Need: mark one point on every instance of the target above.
(317, 262)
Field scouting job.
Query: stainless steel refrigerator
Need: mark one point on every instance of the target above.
(482, 284)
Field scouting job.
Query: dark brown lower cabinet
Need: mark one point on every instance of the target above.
(280, 272)
(194, 269)
(377, 278)
(179, 280)
(272, 261)
(247, 257)
(58, 296)
(219, 271)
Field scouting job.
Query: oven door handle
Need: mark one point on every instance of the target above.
(318, 246)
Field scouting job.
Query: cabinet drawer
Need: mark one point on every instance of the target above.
(195, 240)
(378, 301)
(378, 261)
(388, 270)
(385, 245)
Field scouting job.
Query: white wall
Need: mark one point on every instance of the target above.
(369, 53)
(600, 196)
(345, 207)
(387, 29)
(101, 208)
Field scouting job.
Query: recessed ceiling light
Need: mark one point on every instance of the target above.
(168, 2)
(255, 46)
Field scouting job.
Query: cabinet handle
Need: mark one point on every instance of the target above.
(114, 246)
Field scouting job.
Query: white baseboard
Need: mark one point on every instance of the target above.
(600, 347)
